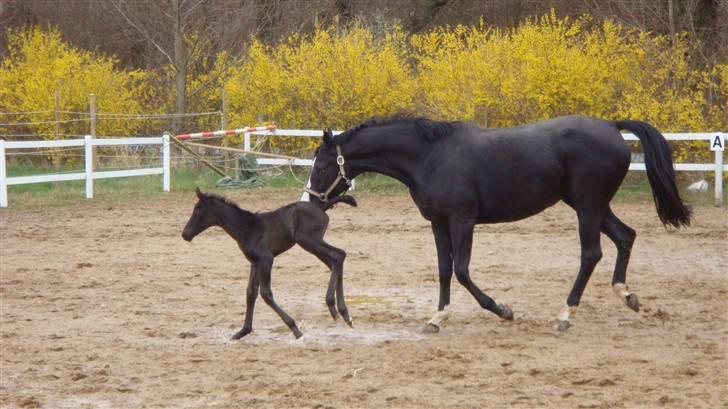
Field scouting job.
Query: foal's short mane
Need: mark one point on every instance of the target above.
(429, 129)
(228, 202)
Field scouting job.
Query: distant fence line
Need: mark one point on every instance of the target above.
(714, 141)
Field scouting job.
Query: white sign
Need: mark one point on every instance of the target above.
(717, 143)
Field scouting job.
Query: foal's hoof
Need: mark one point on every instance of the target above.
(505, 312)
(430, 328)
(297, 333)
(243, 332)
(562, 326)
(633, 302)
(332, 311)
(349, 322)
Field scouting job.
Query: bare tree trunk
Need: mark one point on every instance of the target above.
(671, 21)
(180, 65)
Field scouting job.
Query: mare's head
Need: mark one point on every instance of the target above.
(202, 216)
(326, 170)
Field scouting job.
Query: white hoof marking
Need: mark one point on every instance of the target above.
(566, 312)
(439, 318)
(621, 290)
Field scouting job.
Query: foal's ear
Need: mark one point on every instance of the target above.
(328, 137)
(200, 195)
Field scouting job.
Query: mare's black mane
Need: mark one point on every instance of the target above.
(429, 129)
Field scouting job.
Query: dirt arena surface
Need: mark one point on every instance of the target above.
(105, 306)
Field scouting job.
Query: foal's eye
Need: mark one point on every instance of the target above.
(321, 171)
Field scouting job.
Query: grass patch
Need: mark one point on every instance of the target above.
(635, 188)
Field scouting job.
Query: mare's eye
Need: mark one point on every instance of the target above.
(321, 171)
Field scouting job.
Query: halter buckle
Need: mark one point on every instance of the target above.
(340, 160)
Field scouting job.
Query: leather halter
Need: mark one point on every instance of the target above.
(324, 197)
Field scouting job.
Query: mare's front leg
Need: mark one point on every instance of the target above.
(263, 269)
(444, 266)
(461, 234)
(251, 294)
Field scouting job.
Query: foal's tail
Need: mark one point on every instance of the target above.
(660, 172)
(343, 198)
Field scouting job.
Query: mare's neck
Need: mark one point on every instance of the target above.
(392, 150)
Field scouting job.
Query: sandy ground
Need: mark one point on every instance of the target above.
(104, 305)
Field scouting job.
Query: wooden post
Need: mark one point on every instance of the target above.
(57, 116)
(92, 116)
(57, 113)
(223, 114)
(223, 123)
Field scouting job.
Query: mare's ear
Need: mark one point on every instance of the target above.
(328, 137)
(200, 195)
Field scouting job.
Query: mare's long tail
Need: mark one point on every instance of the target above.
(660, 172)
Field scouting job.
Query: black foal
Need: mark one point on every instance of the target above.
(263, 236)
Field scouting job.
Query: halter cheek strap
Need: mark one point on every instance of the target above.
(324, 197)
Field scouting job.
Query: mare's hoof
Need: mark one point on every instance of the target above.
(430, 328)
(633, 302)
(562, 326)
(505, 312)
(297, 333)
(243, 332)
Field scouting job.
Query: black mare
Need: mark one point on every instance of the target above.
(460, 175)
(263, 236)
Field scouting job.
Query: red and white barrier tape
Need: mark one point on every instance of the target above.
(212, 134)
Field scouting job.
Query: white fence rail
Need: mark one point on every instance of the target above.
(88, 174)
(717, 167)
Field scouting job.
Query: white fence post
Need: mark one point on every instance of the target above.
(89, 166)
(719, 178)
(165, 162)
(246, 141)
(3, 176)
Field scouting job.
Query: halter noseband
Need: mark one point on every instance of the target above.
(324, 197)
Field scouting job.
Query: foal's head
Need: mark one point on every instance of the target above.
(202, 216)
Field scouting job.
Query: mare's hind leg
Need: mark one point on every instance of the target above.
(333, 258)
(461, 235)
(623, 237)
(251, 294)
(263, 268)
(590, 221)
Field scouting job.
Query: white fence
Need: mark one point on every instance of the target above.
(717, 167)
(88, 174)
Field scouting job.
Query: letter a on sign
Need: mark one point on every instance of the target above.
(716, 143)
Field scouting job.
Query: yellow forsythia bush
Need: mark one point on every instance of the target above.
(548, 67)
(39, 63)
(328, 78)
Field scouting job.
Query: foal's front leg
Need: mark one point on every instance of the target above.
(251, 294)
(263, 268)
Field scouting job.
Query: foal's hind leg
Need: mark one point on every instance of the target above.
(333, 258)
(623, 237)
(590, 221)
